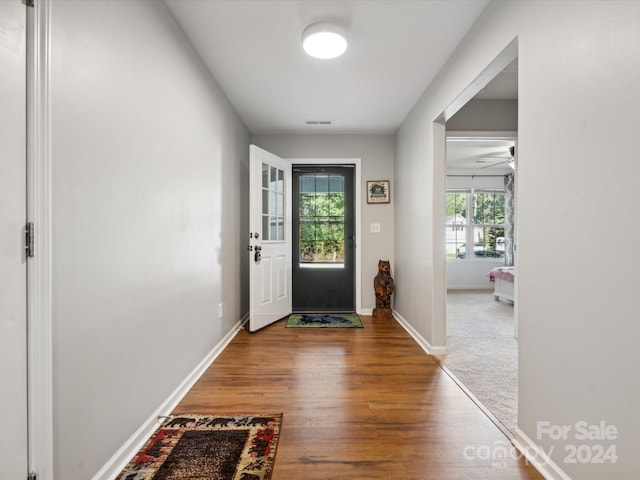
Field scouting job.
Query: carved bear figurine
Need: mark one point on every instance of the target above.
(383, 285)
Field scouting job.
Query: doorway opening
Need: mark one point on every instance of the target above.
(323, 228)
(480, 330)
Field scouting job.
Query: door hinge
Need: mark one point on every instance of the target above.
(32, 476)
(29, 3)
(29, 239)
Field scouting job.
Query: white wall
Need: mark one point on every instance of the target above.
(579, 67)
(149, 179)
(486, 115)
(470, 274)
(376, 154)
(479, 118)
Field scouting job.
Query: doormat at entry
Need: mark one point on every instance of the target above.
(215, 447)
(319, 320)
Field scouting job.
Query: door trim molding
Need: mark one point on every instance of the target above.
(39, 268)
(357, 200)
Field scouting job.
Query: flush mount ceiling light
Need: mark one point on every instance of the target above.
(324, 40)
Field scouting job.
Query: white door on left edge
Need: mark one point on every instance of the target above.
(269, 238)
(13, 263)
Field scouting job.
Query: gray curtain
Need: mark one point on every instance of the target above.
(508, 219)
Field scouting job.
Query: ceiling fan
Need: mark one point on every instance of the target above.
(495, 161)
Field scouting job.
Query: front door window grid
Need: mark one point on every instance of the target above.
(322, 217)
(273, 202)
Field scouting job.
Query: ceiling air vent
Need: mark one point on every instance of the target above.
(319, 122)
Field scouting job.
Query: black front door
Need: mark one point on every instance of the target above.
(323, 238)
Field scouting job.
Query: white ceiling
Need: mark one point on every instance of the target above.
(469, 153)
(253, 49)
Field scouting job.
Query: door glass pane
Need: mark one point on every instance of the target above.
(280, 231)
(280, 205)
(280, 202)
(336, 183)
(322, 184)
(321, 219)
(265, 202)
(273, 203)
(304, 204)
(321, 204)
(307, 184)
(280, 181)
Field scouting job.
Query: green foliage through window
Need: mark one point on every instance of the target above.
(321, 205)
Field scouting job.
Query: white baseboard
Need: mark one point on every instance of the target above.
(366, 311)
(426, 346)
(120, 459)
(537, 457)
(473, 286)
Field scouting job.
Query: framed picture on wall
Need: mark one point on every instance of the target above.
(378, 191)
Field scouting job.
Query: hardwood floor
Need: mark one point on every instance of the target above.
(358, 404)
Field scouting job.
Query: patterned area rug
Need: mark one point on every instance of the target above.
(229, 447)
(335, 320)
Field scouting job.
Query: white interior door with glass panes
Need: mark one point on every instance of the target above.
(13, 270)
(269, 238)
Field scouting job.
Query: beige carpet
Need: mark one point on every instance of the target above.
(482, 351)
